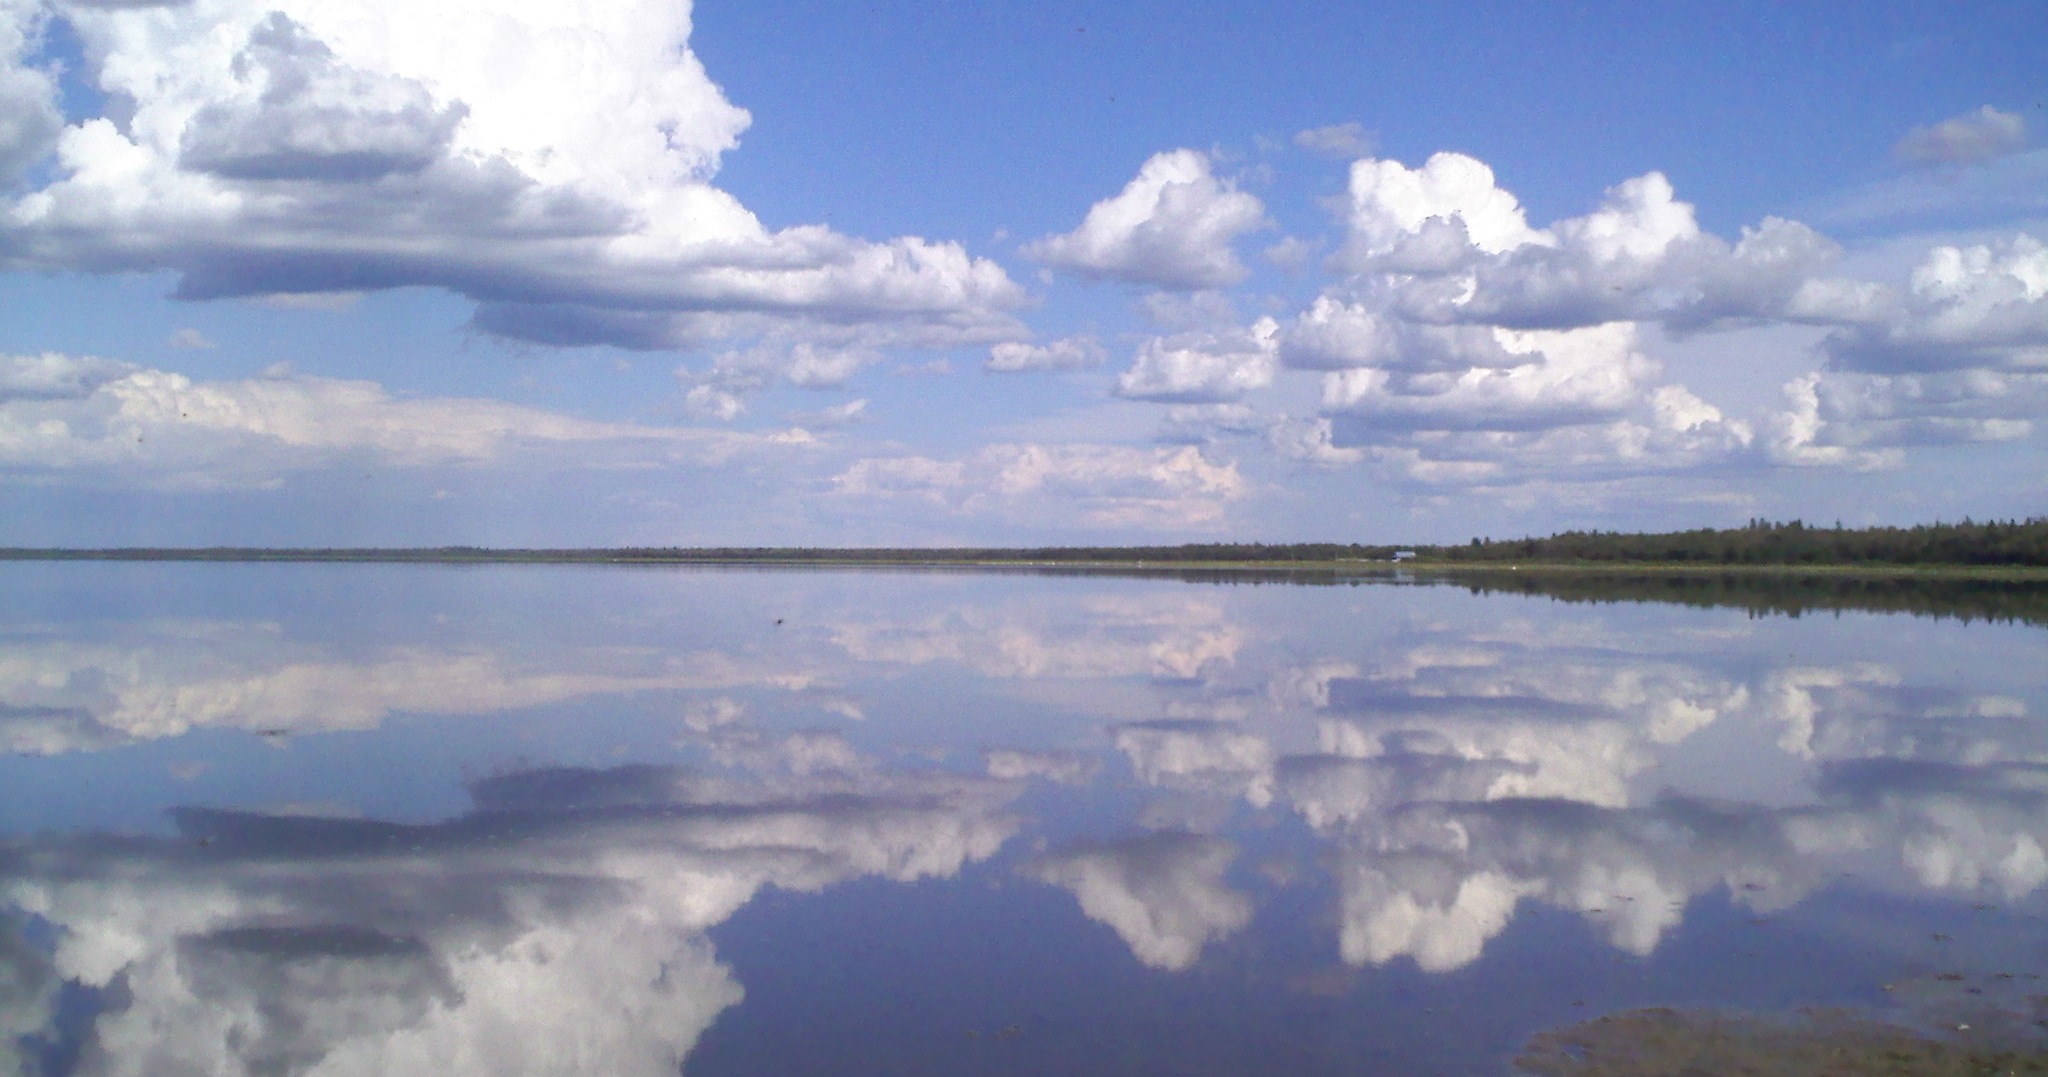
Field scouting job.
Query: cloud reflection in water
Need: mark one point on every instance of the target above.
(1445, 768)
(558, 928)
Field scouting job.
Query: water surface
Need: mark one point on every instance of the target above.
(339, 819)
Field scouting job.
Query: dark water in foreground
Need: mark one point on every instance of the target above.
(286, 819)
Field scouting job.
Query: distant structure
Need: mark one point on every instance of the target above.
(1403, 555)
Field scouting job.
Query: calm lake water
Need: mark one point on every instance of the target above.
(348, 819)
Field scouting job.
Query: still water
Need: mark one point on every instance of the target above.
(351, 819)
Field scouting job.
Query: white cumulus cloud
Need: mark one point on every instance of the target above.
(1171, 227)
(552, 163)
(1204, 366)
(1105, 485)
(1562, 377)
(1067, 353)
(1423, 216)
(1980, 306)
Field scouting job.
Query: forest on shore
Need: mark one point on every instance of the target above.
(1762, 542)
(2010, 543)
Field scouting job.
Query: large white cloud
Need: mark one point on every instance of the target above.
(1462, 346)
(1545, 379)
(551, 163)
(1171, 227)
(1960, 356)
(1672, 433)
(1425, 217)
(1981, 306)
(1340, 334)
(1867, 419)
(1557, 404)
(1443, 244)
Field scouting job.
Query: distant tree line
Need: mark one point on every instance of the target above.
(1763, 542)
(1211, 553)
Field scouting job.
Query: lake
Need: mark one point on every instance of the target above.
(361, 819)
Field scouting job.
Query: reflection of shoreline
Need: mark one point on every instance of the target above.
(1994, 595)
(1365, 560)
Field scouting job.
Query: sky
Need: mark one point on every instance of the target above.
(612, 272)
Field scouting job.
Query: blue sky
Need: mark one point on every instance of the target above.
(303, 272)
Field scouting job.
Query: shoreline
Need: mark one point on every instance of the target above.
(971, 559)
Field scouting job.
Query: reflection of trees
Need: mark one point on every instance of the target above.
(1786, 594)
(558, 927)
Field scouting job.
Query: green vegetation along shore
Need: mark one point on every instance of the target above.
(2008, 544)
(1761, 542)
(1991, 572)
